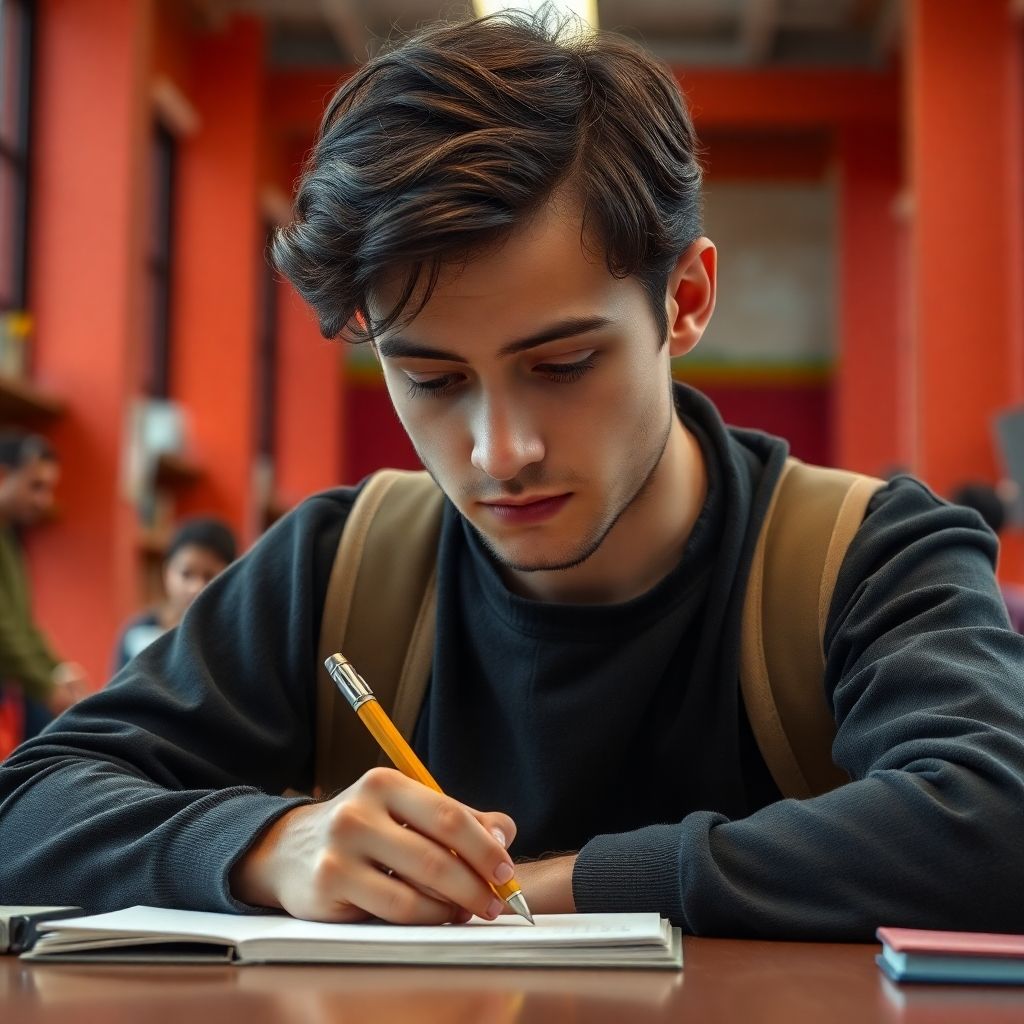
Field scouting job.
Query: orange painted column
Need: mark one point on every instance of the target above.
(872, 378)
(86, 262)
(217, 249)
(310, 438)
(965, 165)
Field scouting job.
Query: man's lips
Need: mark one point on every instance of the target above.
(520, 510)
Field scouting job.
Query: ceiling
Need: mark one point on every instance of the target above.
(687, 33)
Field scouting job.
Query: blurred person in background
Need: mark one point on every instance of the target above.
(199, 550)
(990, 502)
(29, 668)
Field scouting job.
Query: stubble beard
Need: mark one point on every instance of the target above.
(641, 483)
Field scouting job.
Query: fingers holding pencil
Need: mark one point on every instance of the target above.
(386, 847)
(364, 703)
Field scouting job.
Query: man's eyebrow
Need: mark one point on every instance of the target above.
(398, 347)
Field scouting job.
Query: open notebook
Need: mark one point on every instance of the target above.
(151, 935)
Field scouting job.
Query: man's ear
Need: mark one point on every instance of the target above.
(690, 295)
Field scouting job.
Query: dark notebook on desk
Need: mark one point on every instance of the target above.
(18, 924)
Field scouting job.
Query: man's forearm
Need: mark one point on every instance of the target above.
(547, 884)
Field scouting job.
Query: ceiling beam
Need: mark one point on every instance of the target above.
(888, 29)
(800, 98)
(759, 21)
(347, 21)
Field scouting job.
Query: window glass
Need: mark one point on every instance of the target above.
(15, 53)
(13, 60)
(9, 187)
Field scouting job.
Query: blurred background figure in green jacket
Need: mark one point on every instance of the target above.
(36, 683)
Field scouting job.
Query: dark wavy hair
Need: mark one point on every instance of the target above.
(213, 535)
(441, 146)
(18, 449)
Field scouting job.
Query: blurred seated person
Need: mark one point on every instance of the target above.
(31, 673)
(991, 504)
(199, 550)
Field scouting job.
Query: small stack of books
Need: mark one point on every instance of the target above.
(984, 958)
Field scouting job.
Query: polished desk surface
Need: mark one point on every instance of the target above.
(723, 980)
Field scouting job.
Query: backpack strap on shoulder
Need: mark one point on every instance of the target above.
(379, 611)
(811, 520)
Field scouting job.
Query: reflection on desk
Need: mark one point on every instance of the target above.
(954, 1004)
(723, 980)
(323, 994)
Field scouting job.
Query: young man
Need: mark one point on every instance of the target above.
(29, 472)
(512, 220)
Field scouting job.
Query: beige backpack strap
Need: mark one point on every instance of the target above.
(379, 611)
(811, 520)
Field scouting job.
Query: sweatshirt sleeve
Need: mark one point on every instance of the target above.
(149, 790)
(926, 682)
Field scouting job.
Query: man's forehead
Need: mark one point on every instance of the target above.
(476, 314)
(544, 262)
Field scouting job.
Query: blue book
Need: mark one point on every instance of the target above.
(980, 958)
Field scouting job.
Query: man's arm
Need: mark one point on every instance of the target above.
(150, 789)
(547, 884)
(165, 788)
(927, 686)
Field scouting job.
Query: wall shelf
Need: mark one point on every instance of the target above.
(20, 401)
(152, 543)
(175, 471)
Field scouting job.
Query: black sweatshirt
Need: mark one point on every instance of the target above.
(615, 730)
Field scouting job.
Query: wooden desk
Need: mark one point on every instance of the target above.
(723, 980)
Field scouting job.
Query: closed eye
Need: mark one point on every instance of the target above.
(560, 373)
(433, 387)
(569, 371)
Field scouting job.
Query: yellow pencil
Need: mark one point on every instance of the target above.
(375, 718)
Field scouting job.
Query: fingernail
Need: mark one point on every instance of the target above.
(494, 908)
(502, 873)
(500, 836)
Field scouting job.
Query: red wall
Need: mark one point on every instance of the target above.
(85, 266)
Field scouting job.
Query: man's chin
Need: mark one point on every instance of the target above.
(529, 559)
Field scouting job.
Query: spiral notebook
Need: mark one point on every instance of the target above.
(154, 935)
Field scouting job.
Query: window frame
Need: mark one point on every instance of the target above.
(16, 156)
(267, 352)
(160, 259)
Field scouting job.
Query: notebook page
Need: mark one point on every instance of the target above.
(550, 929)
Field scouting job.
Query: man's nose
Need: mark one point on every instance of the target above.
(505, 442)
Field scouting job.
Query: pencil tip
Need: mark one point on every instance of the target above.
(518, 903)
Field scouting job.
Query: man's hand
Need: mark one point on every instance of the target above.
(547, 885)
(70, 684)
(381, 848)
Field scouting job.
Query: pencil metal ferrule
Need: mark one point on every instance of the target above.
(353, 686)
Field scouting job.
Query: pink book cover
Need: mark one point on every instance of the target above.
(935, 943)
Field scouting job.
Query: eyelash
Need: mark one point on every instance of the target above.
(559, 373)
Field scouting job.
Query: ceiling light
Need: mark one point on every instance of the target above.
(585, 10)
